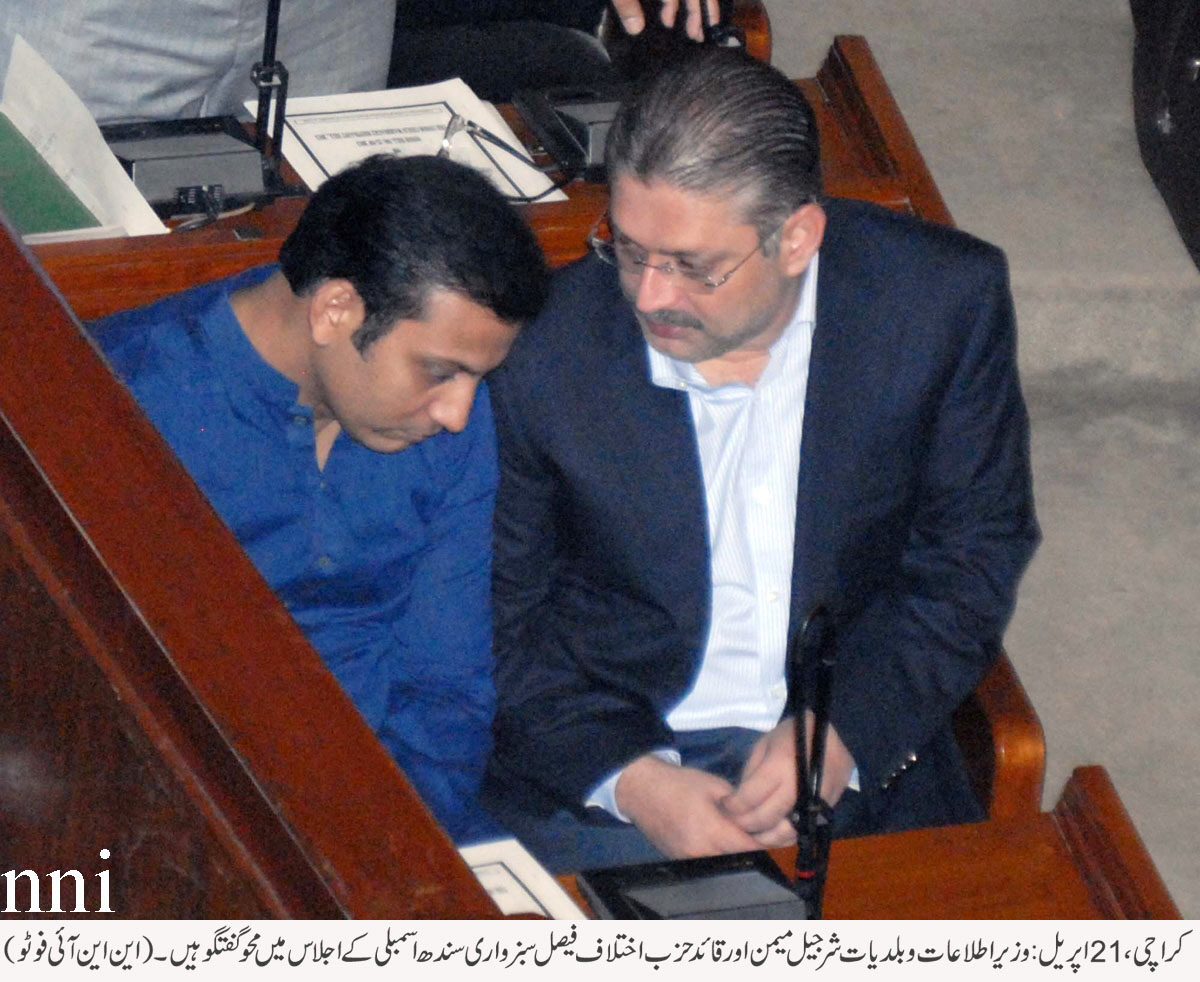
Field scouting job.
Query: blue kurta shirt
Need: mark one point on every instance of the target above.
(382, 559)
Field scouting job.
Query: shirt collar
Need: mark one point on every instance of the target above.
(671, 373)
(246, 373)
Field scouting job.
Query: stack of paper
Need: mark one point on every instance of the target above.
(517, 882)
(322, 134)
(62, 171)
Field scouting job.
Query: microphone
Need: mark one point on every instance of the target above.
(203, 166)
(270, 77)
(748, 884)
(811, 655)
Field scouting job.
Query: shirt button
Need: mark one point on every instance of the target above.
(325, 563)
(778, 691)
(299, 420)
(773, 596)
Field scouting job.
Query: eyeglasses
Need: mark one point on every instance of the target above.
(629, 257)
(458, 123)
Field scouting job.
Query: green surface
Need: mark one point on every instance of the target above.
(34, 198)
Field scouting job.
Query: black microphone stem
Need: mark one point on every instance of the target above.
(812, 817)
(271, 77)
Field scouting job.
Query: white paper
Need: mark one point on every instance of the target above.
(517, 882)
(323, 134)
(74, 235)
(55, 121)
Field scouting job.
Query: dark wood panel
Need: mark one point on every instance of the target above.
(81, 776)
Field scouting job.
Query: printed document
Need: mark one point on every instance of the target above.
(322, 134)
(517, 882)
(55, 121)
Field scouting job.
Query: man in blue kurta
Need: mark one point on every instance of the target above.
(331, 409)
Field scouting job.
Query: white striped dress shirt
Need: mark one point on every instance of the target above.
(749, 441)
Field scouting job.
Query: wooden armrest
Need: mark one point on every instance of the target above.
(1106, 847)
(751, 17)
(1001, 739)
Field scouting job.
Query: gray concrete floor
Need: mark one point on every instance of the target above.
(1106, 628)
(1023, 112)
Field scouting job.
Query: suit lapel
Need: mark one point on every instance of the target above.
(830, 407)
(668, 504)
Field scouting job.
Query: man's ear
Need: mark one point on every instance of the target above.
(335, 310)
(800, 237)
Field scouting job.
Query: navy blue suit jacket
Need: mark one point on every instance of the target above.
(914, 518)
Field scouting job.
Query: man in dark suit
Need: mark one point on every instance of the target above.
(749, 402)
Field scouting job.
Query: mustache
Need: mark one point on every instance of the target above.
(676, 318)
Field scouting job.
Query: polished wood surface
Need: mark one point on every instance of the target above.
(1107, 850)
(1002, 742)
(751, 17)
(863, 129)
(1082, 861)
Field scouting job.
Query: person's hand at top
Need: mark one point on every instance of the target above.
(634, 19)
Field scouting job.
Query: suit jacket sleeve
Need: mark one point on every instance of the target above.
(933, 582)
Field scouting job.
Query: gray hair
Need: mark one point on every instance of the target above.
(719, 122)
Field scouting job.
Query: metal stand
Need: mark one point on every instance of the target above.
(271, 77)
(812, 817)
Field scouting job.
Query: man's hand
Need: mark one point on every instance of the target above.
(630, 12)
(766, 793)
(678, 810)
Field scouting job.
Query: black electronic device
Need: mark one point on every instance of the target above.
(173, 161)
(572, 122)
(205, 165)
(737, 886)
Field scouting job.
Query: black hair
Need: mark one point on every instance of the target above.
(400, 227)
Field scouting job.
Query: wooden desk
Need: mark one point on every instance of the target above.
(867, 152)
(1082, 861)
